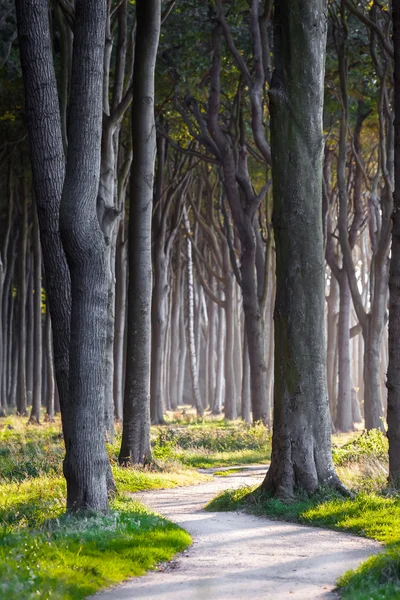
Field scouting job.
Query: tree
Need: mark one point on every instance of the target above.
(135, 444)
(393, 375)
(77, 289)
(301, 446)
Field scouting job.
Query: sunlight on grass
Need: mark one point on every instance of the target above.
(373, 513)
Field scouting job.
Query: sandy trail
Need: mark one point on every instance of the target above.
(241, 556)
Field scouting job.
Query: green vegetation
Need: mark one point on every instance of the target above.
(374, 512)
(214, 443)
(68, 557)
(47, 554)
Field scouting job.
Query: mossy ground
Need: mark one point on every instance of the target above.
(374, 512)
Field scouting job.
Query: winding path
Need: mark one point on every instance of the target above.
(242, 557)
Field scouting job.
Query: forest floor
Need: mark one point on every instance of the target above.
(242, 556)
(47, 555)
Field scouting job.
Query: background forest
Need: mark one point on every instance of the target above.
(148, 265)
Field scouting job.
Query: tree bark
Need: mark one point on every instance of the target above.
(86, 464)
(135, 444)
(37, 365)
(301, 446)
(22, 298)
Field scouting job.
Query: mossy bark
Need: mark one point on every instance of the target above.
(301, 448)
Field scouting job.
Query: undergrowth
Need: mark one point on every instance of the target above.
(374, 512)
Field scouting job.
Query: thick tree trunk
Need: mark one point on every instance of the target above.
(301, 446)
(136, 431)
(86, 464)
(37, 358)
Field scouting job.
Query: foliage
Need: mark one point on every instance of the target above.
(370, 444)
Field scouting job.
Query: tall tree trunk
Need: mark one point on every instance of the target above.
(182, 341)
(50, 393)
(197, 401)
(175, 331)
(344, 420)
(37, 372)
(22, 293)
(48, 169)
(230, 404)
(86, 464)
(332, 316)
(301, 446)
(120, 318)
(158, 336)
(136, 431)
(246, 382)
(393, 375)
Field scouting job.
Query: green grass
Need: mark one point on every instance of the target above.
(374, 513)
(47, 554)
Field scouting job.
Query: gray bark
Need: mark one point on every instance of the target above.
(86, 465)
(37, 367)
(136, 430)
(301, 446)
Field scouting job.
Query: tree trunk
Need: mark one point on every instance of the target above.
(37, 372)
(332, 344)
(190, 325)
(136, 431)
(120, 318)
(158, 336)
(175, 319)
(22, 292)
(86, 463)
(230, 404)
(301, 446)
(50, 367)
(344, 420)
(246, 383)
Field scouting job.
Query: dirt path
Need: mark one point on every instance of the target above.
(240, 556)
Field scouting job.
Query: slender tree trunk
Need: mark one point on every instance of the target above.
(22, 294)
(136, 431)
(182, 342)
(220, 363)
(37, 368)
(158, 336)
(120, 318)
(344, 420)
(301, 446)
(246, 383)
(175, 319)
(50, 367)
(190, 326)
(332, 343)
(230, 404)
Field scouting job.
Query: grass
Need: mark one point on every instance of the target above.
(374, 513)
(47, 554)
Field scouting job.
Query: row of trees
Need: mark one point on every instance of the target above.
(161, 231)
